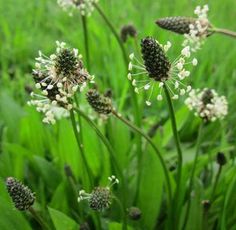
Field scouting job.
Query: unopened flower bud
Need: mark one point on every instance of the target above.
(221, 159)
(22, 197)
(206, 205)
(134, 213)
(100, 103)
(126, 31)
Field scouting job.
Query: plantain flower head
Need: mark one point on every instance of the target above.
(85, 7)
(101, 197)
(57, 78)
(157, 71)
(207, 104)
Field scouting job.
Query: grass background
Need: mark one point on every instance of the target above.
(37, 153)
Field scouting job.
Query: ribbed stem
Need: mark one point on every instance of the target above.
(192, 174)
(112, 155)
(39, 219)
(86, 42)
(180, 160)
(81, 147)
(149, 140)
(224, 32)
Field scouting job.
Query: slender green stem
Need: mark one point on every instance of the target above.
(123, 213)
(192, 174)
(224, 32)
(113, 30)
(216, 183)
(86, 42)
(180, 159)
(112, 155)
(81, 147)
(149, 140)
(39, 219)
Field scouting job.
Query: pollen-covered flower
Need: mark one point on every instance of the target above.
(100, 103)
(207, 104)
(22, 197)
(199, 30)
(101, 197)
(160, 70)
(58, 77)
(84, 6)
(195, 30)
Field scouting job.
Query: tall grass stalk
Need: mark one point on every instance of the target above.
(191, 180)
(176, 200)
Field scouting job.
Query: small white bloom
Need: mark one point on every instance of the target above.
(207, 104)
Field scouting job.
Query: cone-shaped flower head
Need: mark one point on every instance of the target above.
(207, 104)
(101, 197)
(100, 103)
(160, 70)
(155, 60)
(177, 24)
(84, 6)
(22, 197)
(58, 77)
(127, 31)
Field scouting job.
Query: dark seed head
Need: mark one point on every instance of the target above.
(221, 159)
(207, 96)
(126, 31)
(181, 25)
(100, 103)
(155, 60)
(100, 199)
(22, 197)
(66, 62)
(134, 213)
(178, 24)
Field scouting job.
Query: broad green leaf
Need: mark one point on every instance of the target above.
(62, 221)
(150, 190)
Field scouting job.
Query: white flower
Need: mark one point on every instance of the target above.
(84, 6)
(157, 71)
(199, 30)
(207, 104)
(58, 77)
